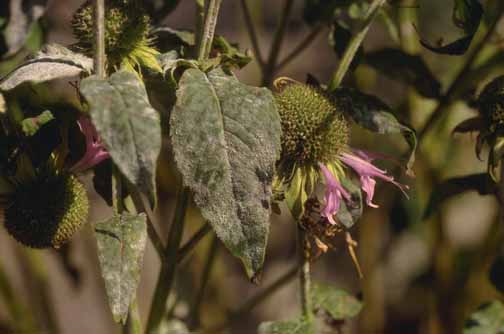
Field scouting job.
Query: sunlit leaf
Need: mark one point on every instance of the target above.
(226, 140)
(410, 69)
(339, 304)
(121, 244)
(488, 319)
(299, 326)
(52, 62)
(128, 125)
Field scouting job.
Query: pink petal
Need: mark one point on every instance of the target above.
(333, 194)
(95, 151)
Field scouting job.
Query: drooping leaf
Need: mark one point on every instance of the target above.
(458, 185)
(170, 62)
(31, 125)
(410, 69)
(52, 62)
(350, 212)
(488, 319)
(467, 15)
(226, 140)
(23, 14)
(298, 326)
(229, 54)
(339, 37)
(128, 125)
(373, 114)
(339, 304)
(121, 244)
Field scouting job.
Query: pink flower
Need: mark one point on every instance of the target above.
(360, 162)
(333, 194)
(95, 151)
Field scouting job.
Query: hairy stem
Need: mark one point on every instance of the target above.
(207, 36)
(304, 275)
(99, 47)
(168, 267)
(252, 32)
(354, 44)
(270, 67)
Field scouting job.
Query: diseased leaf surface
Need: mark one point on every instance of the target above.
(338, 303)
(350, 212)
(128, 125)
(121, 244)
(52, 62)
(488, 319)
(299, 326)
(226, 140)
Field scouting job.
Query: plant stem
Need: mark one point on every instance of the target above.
(252, 33)
(193, 242)
(453, 90)
(134, 324)
(167, 273)
(303, 45)
(99, 47)
(304, 275)
(354, 44)
(209, 29)
(250, 304)
(195, 308)
(270, 67)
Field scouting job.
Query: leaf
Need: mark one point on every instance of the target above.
(497, 272)
(373, 114)
(350, 213)
(488, 319)
(458, 185)
(52, 62)
(298, 326)
(128, 125)
(229, 53)
(339, 38)
(410, 69)
(170, 62)
(31, 125)
(339, 304)
(23, 14)
(121, 244)
(226, 140)
(322, 11)
(467, 15)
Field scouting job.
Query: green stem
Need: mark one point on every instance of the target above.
(196, 306)
(270, 67)
(252, 32)
(304, 276)
(354, 44)
(168, 267)
(250, 304)
(99, 47)
(453, 90)
(207, 36)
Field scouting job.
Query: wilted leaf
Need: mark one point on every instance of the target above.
(52, 62)
(226, 140)
(121, 244)
(31, 125)
(373, 114)
(128, 125)
(467, 15)
(339, 304)
(229, 53)
(22, 15)
(458, 185)
(170, 62)
(488, 319)
(299, 326)
(410, 69)
(350, 212)
(470, 125)
(339, 37)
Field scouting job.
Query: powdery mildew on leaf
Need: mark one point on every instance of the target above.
(338, 303)
(52, 62)
(128, 125)
(121, 244)
(226, 140)
(299, 326)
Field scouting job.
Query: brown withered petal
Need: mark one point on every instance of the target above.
(469, 125)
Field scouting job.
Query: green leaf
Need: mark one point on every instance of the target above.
(373, 114)
(339, 304)
(299, 326)
(458, 185)
(467, 15)
(128, 125)
(226, 140)
(31, 125)
(170, 62)
(121, 244)
(488, 319)
(52, 62)
(410, 69)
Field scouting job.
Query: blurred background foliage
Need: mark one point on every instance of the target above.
(422, 273)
